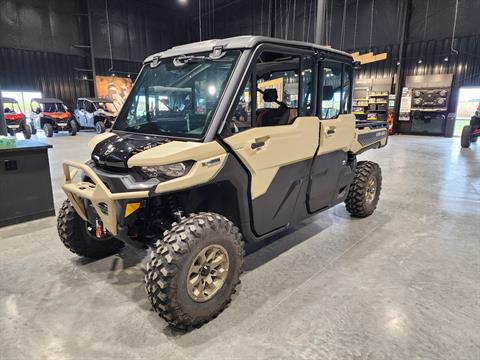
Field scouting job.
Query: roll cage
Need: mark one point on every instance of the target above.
(244, 71)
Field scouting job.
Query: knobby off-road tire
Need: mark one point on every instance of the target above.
(466, 137)
(100, 127)
(48, 130)
(173, 258)
(362, 199)
(27, 131)
(73, 128)
(76, 238)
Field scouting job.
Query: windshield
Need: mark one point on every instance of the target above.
(11, 108)
(178, 97)
(53, 107)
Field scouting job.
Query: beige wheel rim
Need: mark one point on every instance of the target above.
(208, 273)
(371, 190)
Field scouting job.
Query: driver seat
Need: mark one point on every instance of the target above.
(272, 117)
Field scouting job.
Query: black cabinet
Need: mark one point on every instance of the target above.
(25, 183)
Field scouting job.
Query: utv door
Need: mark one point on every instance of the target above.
(275, 145)
(81, 113)
(89, 117)
(331, 172)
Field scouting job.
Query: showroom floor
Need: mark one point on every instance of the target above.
(401, 284)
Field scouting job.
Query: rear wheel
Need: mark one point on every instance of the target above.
(466, 137)
(78, 236)
(48, 129)
(194, 270)
(27, 131)
(73, 128)
(100, 127)
(364, 192)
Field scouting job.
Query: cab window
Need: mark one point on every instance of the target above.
(307, 86)
(336, 80)
(332, 89)
(277, 83)
(347, 88)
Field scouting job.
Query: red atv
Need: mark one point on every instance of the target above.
(15, 118)
(470, 133)
(52, 116)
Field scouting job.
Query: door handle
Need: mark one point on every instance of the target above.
(331, 131)
(257, 145)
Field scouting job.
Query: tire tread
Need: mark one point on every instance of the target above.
(167, 260)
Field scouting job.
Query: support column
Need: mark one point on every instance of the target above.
(406, 16)
(320, 23)
(92, 48)
(3, 123)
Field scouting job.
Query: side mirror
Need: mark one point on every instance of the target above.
(328, 92)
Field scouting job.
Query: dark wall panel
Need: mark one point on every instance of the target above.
(137, 28)
(53, 74)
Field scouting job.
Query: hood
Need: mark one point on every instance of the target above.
(115, 150)
(13, 116)
(57, 115)
(105, 113)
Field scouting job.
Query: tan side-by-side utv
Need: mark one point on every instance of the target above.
(219, 145)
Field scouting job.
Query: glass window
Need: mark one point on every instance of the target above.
(277, 89)
(178, 97)
(332, 90)
(242, 116)
(307, 86)
(347, 86)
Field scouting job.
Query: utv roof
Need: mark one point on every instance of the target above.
(8, 100)
(47, 101)
(95, 100)
(238, 42)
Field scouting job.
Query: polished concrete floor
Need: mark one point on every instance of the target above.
(401, 284)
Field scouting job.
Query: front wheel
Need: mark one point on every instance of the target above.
(48, 130)
(195, 269)
(466, 137)
(362, 198)
(100, 127)
(73, 128)
(79, 237)
(27, 131)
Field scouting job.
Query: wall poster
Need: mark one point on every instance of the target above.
(114, 88)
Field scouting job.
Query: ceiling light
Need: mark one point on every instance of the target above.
(420, 61)
(446, 59)
(183, 2)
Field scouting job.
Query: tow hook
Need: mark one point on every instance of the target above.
(99, 231)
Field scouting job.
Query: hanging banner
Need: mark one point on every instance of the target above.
(405, 104)
(113, 88)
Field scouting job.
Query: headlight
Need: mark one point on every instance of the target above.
(171, 170)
